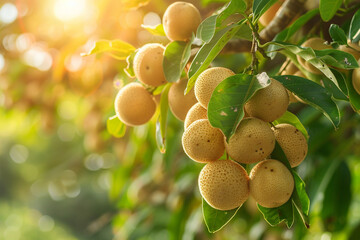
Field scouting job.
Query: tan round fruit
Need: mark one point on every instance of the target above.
(196, 112)
(316, 44)
(202, 142)
(269, 14)
(208, 81)
(252, 142)
(268, 103)
(271, 183)
(178, 102)
(224, 184)
(148, 65)
(134, 105)
(356, 79)
(292, 142)
(180, 21)
(353, 52)
(290, 68)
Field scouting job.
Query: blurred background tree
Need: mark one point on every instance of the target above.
(63, 176)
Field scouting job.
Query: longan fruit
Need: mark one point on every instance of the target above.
(178, 102)
(271, 183)
(134, 105)
(208, 81)
(356, 79)
(180, 21)
(355, 53)
(196, 112)
(268, 103)
(269, 14)
(224, 184)
(202, 142)
(148, 64)
(292, 142)
(252, 142)
(290, 68)
(316, 44)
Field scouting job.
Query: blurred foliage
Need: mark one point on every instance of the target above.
(63, 176)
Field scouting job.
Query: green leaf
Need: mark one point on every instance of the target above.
(354, 97)
(260, 6)
(244, 32)
(313, 94)
(337, 199)
(155, 30)
(129, 70)
(161, 123)
(176, 56)
(328, 8)
(334, 90)
(337, 34)
(337, 58)
(115, 127)
(206, 29)
(354, 32)
(292, 119)
(226, 106)
(116, 48)
(284, 35)
(208, 52)
(308, 55)
(235, 6)
(215, 219)
(274, 216)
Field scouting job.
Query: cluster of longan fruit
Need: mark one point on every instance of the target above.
(135, 104)
(225, 184)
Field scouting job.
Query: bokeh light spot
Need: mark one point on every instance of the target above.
(151, 19)
(66, 10)
(19, 153)
(46, 223)
(8, 13)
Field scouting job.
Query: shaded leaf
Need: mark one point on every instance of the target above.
(274, 216)
(155, 30)
(328, 8)
(260, 6)
(206, 29)
(176, 56)
(284, 35)
(337, 34)
(115, 127)
(116, 48)
(337, 58)
(354, 97)
(208, 52)
(216, 219)
(292, 119)
(354, 32)
(161, 123)
(313, 94)
(226, 106)
(235, 6)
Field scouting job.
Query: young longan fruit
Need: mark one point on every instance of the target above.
(356, 79)
(178, 102)
(252, 142)
(196, 112)
(134, 105)
(202, 142)
(148, 64)
(292, 142)
(180, 21)
(224, 184)
(316, 44)
(207, 82)
(268, 103)
(271, 183)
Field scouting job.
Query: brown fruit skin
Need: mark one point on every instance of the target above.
(271, 183)
(178, 102)
(356, 79)
(292, 142)
(290, 70)
(268, 103)
(148, 65)
(180, 21)
(224, 184)
(134, 105)
(316, 44)
(202, 142)
(252, 142)
(269, 14)
(208, 81)
(196, 112)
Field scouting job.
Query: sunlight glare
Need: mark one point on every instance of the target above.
(67, 10)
